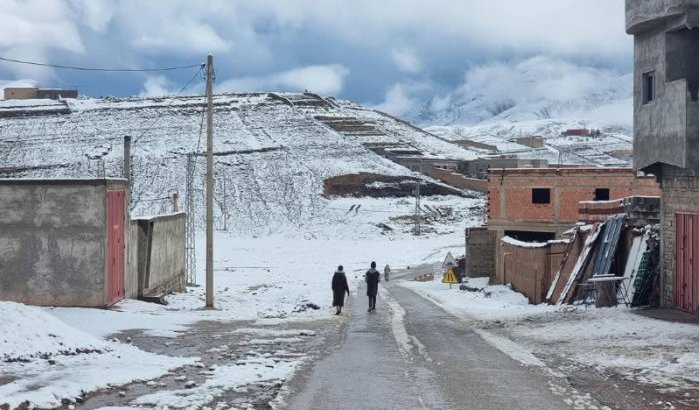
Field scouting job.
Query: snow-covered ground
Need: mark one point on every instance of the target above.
(646, 350)
(43, 359)
(269, 280)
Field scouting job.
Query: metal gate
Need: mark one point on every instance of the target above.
(687, 257)
(115, 246)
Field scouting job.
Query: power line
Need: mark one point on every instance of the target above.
(157, 118)
(113, 70)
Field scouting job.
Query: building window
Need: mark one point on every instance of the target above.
(541, 196)
(648, 87)
(602, 194)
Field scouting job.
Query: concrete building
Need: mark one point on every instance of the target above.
(62, 242)
(69, 242)
(478, 168)
(537, 204)
(535, 141)
(26, 93)
(666, 132)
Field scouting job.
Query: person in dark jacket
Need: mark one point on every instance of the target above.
(339, 286)
(372, 277)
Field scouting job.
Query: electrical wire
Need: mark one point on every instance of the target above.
(113, 70)
(157, 118)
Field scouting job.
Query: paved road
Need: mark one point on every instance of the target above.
(422, 360)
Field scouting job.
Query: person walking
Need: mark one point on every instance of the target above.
(386, 272)
(339, 286)
(372, 277)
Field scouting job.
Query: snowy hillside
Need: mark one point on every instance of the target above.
(273, 152)
(612, 148)
(499, 103)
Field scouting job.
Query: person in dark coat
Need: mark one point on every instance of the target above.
(339, 286)
(372, 277)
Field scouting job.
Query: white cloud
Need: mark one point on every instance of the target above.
(30, 29)
(156, 86)
(177, 27)
(187, 37)
(322, 79)
(401, 98)
(96, 14)
(541, 78)
(406, 61)
(563, 27)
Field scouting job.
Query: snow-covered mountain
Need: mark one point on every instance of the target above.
(539, 88)
(274, 153)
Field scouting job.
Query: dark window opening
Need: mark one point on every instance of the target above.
(648, 87)
(602, 194)
(527, 236)
(541, 196)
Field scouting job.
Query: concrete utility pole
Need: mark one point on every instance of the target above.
(210, 181)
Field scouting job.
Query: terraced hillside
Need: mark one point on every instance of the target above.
(273, 152)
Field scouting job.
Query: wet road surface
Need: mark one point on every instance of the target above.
(410, 354)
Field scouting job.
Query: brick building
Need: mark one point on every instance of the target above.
(538, 204)
(666, 132)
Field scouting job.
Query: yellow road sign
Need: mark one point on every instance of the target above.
(449, 277)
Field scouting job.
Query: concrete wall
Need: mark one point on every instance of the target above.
(642, 15)
(480, 252)
(20, 93)
(531, 269)
(457, 180)
(131, 279)
(680, 194)
(665, 129)
(53, 242)
(159, 254)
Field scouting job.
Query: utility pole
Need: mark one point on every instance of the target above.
(417, 208)
(210, 181)
(127, 170)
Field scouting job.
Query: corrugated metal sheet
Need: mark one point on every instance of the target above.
(607, 244)
(687, 254)
(115, 246)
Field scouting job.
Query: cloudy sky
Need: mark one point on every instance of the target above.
(377, 52)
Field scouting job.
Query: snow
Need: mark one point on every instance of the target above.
(493, 302)
(50, 360)
(268, 280)
(650, 351)
(256, 370)
(274, 157)
(511, 241)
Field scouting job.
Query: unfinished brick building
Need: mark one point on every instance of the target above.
(666, 132)
(537, 204)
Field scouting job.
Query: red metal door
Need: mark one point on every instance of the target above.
(115, 246)
(687, 257)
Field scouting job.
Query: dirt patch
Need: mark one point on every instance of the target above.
(219, 344)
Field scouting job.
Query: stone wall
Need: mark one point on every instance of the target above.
(680, 194)
(480, 252)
